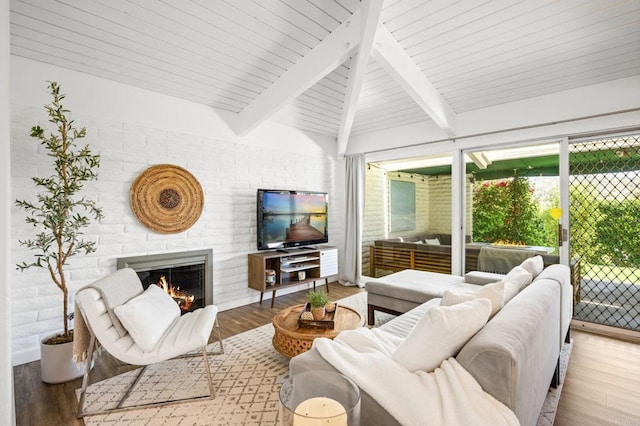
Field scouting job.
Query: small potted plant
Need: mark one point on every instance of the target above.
(317, 301)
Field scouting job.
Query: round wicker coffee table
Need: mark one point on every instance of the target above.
(291, 340)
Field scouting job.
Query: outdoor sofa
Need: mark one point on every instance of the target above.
(417, 251)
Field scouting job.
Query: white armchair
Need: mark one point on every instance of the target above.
(140, 328)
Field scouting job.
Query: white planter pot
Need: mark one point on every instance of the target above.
(56, 363)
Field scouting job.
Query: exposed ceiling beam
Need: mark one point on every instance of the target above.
(369, 20)
(397, 62)
(479, 159)
(311, 68)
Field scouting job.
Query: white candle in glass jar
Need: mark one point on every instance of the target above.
(320, 411)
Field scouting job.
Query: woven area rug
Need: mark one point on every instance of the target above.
(246, 379)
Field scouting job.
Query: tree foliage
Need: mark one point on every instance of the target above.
(505, 210)
(550, 225)
(583, 202)
(604, 231)
(617, 240)
(59, 213)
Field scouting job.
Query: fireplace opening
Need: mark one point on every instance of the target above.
(185, 276)
(182, 283)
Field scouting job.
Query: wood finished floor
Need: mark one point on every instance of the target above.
(602, 386)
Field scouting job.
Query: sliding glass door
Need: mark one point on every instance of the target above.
(605, 229)
(577, 202)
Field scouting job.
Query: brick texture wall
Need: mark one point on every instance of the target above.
(229, 172)
(375, 217)
(440, 205)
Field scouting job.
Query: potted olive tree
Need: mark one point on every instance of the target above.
(59, 214)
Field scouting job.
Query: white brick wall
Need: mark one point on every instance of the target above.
(375, 222)
(229, 171)
(440, 205)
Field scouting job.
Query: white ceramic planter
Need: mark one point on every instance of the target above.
(56, 363)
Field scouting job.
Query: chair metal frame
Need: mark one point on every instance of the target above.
(93, 346)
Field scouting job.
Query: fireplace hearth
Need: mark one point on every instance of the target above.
(185, 276)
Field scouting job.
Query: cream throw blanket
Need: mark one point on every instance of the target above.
(447, 396)
(81, 337)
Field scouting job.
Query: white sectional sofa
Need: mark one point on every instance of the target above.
(514, 357)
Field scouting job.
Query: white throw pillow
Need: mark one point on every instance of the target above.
(494, 292)
(148, 316)
(517, 279)
(432, 241)
(534, 265)
(511, 288)
(520, 276)
(441, 333)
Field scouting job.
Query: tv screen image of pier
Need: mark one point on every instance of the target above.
(291, 217)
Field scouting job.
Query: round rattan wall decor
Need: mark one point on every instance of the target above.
(166, 198)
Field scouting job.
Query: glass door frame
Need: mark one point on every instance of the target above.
(564, 200)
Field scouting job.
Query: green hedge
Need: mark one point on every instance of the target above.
(617, 240)
(505, 210)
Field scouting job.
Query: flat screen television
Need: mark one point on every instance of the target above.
(291, 218)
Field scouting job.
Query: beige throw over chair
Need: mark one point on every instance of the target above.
(139, 327)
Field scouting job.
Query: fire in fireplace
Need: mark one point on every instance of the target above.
(183, 283)
(184, 299)
(185, 276)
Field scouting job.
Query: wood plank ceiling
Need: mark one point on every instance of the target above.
(307, 62)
